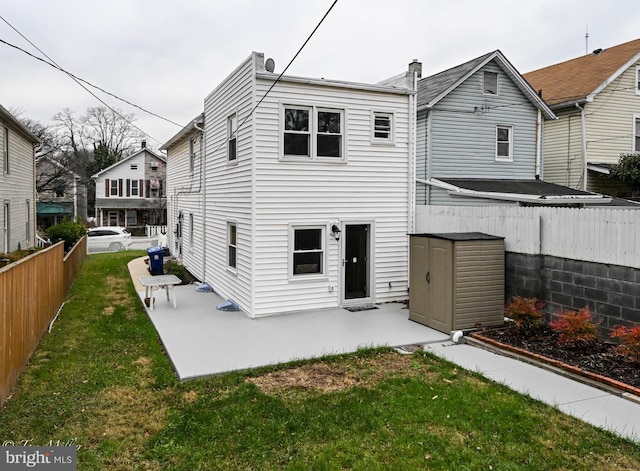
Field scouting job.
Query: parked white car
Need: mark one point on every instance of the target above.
(108, 239)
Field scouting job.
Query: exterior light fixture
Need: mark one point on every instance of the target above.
(335, 232)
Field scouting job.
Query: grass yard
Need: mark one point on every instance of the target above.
(101, 381)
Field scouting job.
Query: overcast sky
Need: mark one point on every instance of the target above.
(166, 56)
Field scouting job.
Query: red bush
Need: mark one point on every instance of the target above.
(527, 312)
(575, 327)
(630, 338)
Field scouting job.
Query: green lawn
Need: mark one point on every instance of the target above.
(100, 380)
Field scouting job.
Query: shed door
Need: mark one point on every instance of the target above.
(431, 300)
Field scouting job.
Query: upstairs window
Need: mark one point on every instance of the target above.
(232, 138)
(297, 134)
(504, 143)
(135, 188)
(382, 127)
(315, 133)
(113, 190)
(5, 151)
(490, 83)
(636, 133)
(192, 155)
(153, 164)
(638, 80)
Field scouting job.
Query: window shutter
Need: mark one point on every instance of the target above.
(140, 188)
(120, 187)
(128, 187)
(106, 188)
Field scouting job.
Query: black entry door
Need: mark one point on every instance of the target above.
(356, 261)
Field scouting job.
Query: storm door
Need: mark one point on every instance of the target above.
(356, 261)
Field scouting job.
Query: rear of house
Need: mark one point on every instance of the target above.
(307, 194)
(17, 184)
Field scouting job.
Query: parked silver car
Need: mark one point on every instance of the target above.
(107, 238)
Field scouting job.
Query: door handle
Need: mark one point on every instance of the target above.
(428, 277)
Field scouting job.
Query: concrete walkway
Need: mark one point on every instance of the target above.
(203, 341)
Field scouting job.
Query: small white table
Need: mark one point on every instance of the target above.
(165, 281)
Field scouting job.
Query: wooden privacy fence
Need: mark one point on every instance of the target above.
(31, 292)
(609, 236)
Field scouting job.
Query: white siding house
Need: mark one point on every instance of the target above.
(17, 184)
(306, 193)
(185, 202)
(131, 192)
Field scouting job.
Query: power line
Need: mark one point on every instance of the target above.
(78, 80)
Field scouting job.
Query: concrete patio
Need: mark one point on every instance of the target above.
(203, 341)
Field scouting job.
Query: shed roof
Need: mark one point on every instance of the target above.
(576, 80)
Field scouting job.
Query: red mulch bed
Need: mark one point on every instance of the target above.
(598, 357)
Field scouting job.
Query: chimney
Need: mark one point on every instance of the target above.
(415, 67)
(144, 144)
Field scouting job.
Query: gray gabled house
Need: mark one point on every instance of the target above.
(479, 128)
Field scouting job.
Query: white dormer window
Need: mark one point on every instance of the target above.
(490, 83)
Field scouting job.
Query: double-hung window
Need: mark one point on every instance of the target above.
(232, 238)
(232, 138)
(638, 80)
(135, 188)
(192, 155)
(308, 251)
(490, 83)
(5, 150)
(504, 143)
(313, 132)
(636, 133)
(113, 191)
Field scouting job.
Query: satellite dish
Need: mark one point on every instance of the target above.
(270, 65)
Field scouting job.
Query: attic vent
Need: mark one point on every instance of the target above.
(597, 51)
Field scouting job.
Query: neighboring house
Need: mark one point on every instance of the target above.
(17, 184)
(131, 192)
(297, 196)
(478, 138)
(60, 194)
(597, 100)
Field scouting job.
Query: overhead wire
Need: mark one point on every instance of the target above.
(78, 80)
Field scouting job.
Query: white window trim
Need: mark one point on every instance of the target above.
(637, 83)
(313, 133)
(497, 83)
(500, 158)
(111, 191)
(230, 117)
(634, 132)
(391, 140)
(323, 237)
(137, 183)
(229, 268)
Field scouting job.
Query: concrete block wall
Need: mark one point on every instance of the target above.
(612, 292)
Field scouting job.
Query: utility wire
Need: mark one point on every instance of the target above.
(73, 77)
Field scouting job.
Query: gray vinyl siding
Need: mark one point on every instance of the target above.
(462, 141)
(184, 193)
(421, 161)
(17, 188)
(228, 187)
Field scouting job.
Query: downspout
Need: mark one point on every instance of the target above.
(584, 145)
(427, 167)
(204, 199)
(539, 145)
(413, 120)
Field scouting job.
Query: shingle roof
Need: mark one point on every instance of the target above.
(435, 87)
(574, 80)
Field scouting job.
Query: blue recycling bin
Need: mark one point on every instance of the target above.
(156, 260)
